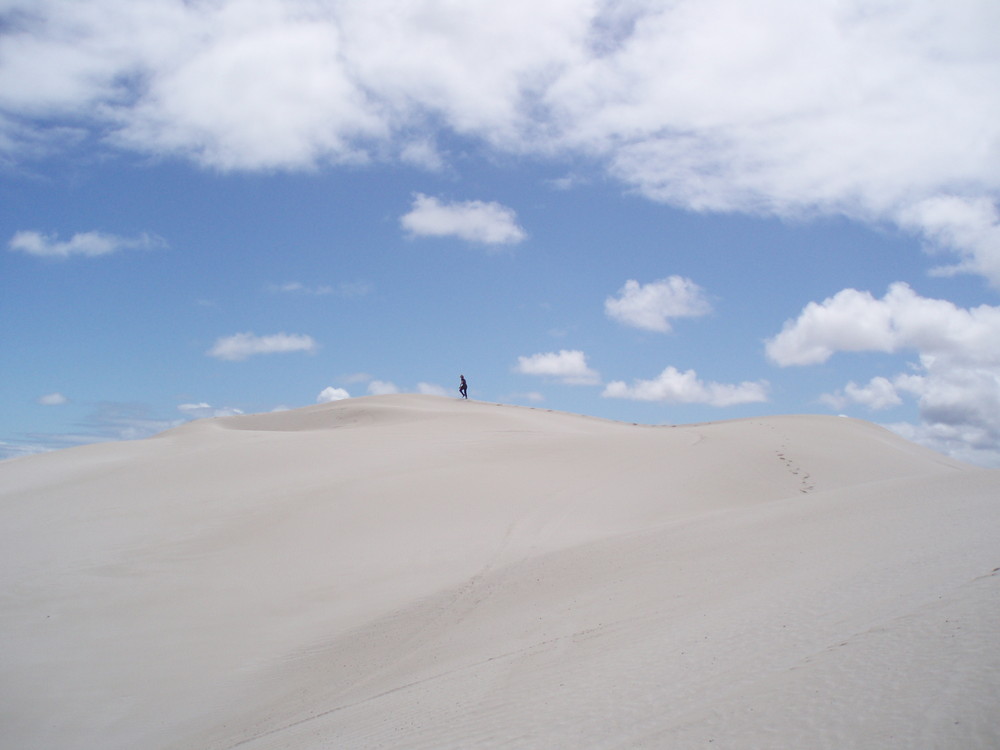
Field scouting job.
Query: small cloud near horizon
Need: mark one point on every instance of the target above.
(204, 410)
(432, 389)
(382, 388)
(330, 394)
(567, 366)
(674, 386)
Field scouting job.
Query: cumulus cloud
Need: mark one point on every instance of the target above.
(330, 393)
(855, 321)
(473, 221)
(240, 346)
(87, 244)
(879, 393)
(880, 113)
(955, 378)
(674, 386)
(965, 442)
(651, 306)
(567, 366)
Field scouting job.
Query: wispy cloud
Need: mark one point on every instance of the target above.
(109, 421)
(240, 346)
(203, 410)
(53, 399)
(86, 244)
(345, 290)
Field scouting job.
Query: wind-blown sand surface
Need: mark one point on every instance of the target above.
(421, 572)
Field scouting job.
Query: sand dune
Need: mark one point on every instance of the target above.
(421, 572)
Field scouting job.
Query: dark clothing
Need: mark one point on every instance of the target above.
(463, 388)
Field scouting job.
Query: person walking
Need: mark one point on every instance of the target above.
(463, 387)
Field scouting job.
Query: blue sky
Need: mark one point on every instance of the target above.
(651, 212)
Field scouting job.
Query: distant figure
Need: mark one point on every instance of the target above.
(463, 387)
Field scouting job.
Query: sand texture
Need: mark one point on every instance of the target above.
(421, 572)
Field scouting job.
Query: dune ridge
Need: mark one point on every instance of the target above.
(415, 571)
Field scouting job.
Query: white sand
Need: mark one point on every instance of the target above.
(421, 572)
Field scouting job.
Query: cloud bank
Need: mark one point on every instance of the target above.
(884, 113)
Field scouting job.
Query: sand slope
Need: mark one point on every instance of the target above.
(420, 572)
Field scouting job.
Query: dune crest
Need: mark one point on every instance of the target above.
(415, 571)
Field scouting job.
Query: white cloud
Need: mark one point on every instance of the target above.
(203, 410)
(855, 321)
(422, 153)
(346, 290)
(568, 366)
(431, 389)
(296, 287)
(957, 395)
(956, 379)
(965, 442)
(87, 244)
(473, 221)
(53, 399)
(968, 227)
(240, 346)
(674, 386)
(651, 306)
(382, 388)
(882, 112)
(880, 393)
(330, 393)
